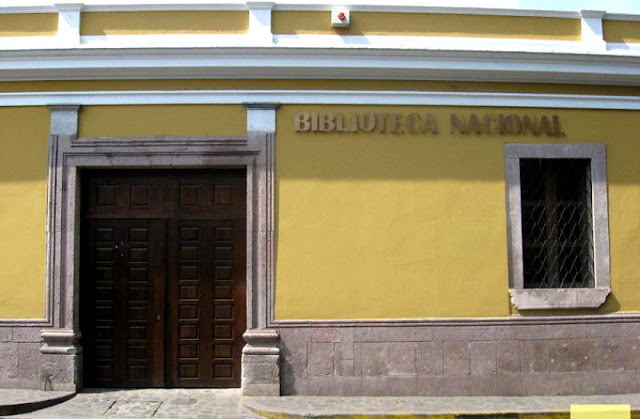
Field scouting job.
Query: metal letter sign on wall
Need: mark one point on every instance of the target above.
(426, 123)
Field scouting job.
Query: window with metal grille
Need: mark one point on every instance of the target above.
(557, 225)
(557, 231)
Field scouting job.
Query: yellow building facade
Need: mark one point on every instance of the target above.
(261, 199)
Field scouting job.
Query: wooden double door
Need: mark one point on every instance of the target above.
(163, 278)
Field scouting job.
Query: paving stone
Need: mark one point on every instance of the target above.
(156, 403)
(509, 357)
(629, 329)
(347, 368)
(584, 353)
(319, 406)
(346, 342)
(26, 334)
(29, 360)
(560, 356)
(456, 358)
(373, 359)
(492, 333)
(611, 355)
(604, 330)
(326, 334)
(534, 356)
(6, 334)
(261, 373)
(448, 333)
(402, 358)
(294, 359)
(133, 409)
(8, 360)
(430, 359)
(320, 359)
(632, 354)
(483, 358)
(393, 334)
(337, 359)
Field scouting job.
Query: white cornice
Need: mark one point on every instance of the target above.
(319, 63)
(319, 97)
(406, 6)
(371, 6)
(261, 54)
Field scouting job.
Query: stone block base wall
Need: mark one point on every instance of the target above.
(501, 358)
(447, 360)
(27, 361)
(20, 357)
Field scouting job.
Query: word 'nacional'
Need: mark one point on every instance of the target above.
(425, 123)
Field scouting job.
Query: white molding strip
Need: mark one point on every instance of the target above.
(621, 16)
(441, 43)
(319, 97)
(623, 317)
(617, 67)
(262, 38)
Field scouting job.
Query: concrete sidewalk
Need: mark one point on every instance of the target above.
(229, 404)
(145, 403)
(13, 402)
(531, 407)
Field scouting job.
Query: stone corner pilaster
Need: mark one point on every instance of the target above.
(60, 360)
(261, 363)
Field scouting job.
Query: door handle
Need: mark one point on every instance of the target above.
(121, 247)
(158, 317)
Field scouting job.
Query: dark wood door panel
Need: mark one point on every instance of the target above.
(208, 195)
(174, 194)
(118, 194)
(207, 293)
(121, 297)
(163, 277)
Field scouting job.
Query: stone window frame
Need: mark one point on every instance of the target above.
(558, 298)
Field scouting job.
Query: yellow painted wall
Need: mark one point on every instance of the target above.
(182, 120)
(368, 225)
(28, 24)
(374, 226)
(23, 196)
(364, 23)
(145, 23)
(23, 180)
(621, 31)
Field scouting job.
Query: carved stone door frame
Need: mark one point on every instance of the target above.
(60, 354)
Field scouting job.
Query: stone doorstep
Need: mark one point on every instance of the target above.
(16, 402)
(320, 407)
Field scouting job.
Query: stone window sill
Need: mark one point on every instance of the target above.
(558, 298)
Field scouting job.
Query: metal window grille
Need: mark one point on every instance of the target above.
(557, 227)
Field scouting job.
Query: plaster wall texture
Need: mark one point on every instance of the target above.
(413, 226)
(407, 206)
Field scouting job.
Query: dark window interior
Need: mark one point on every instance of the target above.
(557, 223)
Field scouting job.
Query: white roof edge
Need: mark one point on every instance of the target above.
(622, 16)
(292, 63)
(16, 6)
